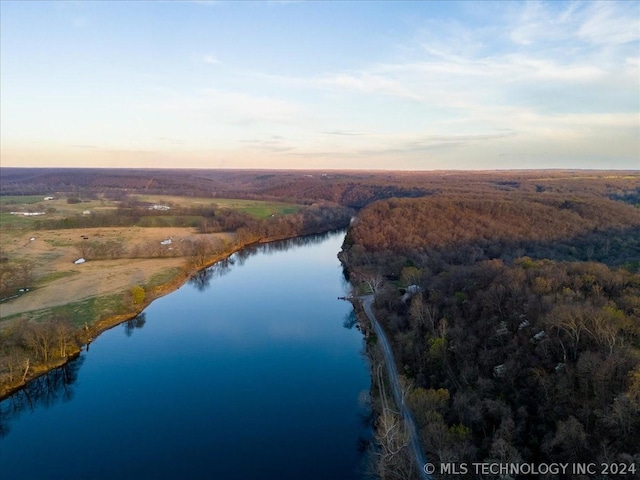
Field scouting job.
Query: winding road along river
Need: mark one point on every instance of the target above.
(253, 370)
(394, 383)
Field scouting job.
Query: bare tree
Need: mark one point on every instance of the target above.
(392, 438)
(372, 280)
(63, 336)
(423, 312)
(40, 338)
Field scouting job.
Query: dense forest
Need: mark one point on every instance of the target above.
(350, 188)
(515, 317)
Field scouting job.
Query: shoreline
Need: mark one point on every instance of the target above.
(369, 326)
(100, 326)
(394, 383)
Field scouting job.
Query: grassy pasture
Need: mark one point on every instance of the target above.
(62, 209)
(257, 208)
(80, 313)
(55, 209)
(163, 277)
(21, 200)
(52, 251)
(53, 276)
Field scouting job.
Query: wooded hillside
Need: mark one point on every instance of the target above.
(522, 338)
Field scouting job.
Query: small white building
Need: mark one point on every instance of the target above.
(48, 198)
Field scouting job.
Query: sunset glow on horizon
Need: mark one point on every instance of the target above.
(320, 85)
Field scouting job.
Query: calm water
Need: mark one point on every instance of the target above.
(251, 371)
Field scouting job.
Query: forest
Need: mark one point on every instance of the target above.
(514, 318)
(350, 188)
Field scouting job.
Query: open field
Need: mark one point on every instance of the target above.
(121, 240)
(257, 208)
(21, 200)
(59, 208)
(59, 281)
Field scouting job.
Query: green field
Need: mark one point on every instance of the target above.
(257, 208)
(55, 209)
(87, 311)
(21, 200)
(16, 221)
(50, 277)
(59, 208)
(163, 277)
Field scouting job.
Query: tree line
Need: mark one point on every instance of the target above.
(516, 320)
(29, 344)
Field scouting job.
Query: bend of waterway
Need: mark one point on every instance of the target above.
(252, 370)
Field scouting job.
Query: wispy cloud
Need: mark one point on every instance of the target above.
(368, 82)
(228, 107)
(606, 23)
(598, 23)
(345, 133)
(273, 144)
(211, 59)
(84, 147)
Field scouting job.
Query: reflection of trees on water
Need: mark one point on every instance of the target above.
(202, 279)
(350, 320)
(282, 245)
(134, 323)
(365, 445)
(44, 391)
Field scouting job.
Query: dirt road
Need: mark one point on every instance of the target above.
(395, 386)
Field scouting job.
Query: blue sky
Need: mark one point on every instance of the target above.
(323, 85)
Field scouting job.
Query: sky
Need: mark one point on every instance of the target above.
(420, 85)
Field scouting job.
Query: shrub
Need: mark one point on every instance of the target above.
(137, 294)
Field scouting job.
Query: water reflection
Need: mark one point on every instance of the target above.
(134, 323)
(283, 245)
(202, 279)
(44, 391)
(350, 320)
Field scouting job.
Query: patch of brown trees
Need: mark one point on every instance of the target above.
(521, 346)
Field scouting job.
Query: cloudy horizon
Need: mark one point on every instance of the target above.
(321, 85)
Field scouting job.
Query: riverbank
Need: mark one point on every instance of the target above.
(88, 333)
(396, 388)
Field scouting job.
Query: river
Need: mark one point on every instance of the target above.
(252, 370)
